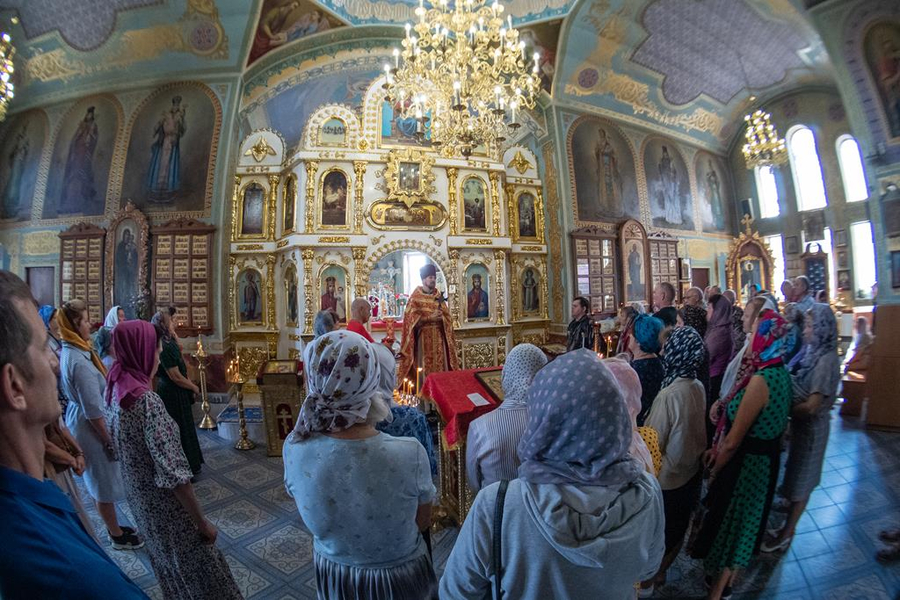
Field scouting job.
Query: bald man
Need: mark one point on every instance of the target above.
(360, 311)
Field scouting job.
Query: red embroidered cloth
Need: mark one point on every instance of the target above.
(449, 391)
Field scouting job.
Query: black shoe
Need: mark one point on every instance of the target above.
(127, 541)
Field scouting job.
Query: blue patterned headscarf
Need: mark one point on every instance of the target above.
(815, 367)
(578, 428)
(522, 364)
(646, 332)
(46, 313)
(684, 353)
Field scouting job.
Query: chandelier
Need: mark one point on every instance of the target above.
(763, 146)
(6, 70)
(463, 76)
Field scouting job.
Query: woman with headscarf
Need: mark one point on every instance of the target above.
(83, 379)
(408, 421)
(62, 454)
(678, 416)
(493, 438)
(343, 474)
(720, 344)
(644, 440)
(583, 520)
(180, 541)
(103, 338)
(816, 376)
(859, 354)
(627, 315)
(744, 465)
(645, 347)
(177, 391)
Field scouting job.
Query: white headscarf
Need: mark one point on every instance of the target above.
(522, 364)
(342, 382)
(387, 372)
(112, 318)
(730, 377)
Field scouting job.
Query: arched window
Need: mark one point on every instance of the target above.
(852, 173)
(806, 168)
(768, 192)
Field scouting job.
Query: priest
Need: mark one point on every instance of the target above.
(427, 341)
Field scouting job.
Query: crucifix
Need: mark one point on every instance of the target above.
(746, 222)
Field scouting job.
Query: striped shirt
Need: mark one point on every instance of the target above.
(491, 445)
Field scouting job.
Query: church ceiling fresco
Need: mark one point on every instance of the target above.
(64, 46)
(680, 64)
(284, 21)
(393, 12)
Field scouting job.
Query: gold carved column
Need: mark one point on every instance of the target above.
(311, 168)
(235, 208)
(454, 281)
(359, 171)
(511, 220)
(270, 291)
(452, 172)
(273, 203)
(500, 258)
(232, 294)
(307, 256)
(545, 292)
(539, 216)
(495, 202)
(359, 255)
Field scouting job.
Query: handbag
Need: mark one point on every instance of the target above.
(496, 556)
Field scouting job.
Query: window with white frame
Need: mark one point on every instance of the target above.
(807, 170)
(864, 269)
(775, 245)
(767, 191)
(412, 262)
(852, 173)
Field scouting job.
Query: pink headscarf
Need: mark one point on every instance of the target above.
(131, 375)
(630, 384)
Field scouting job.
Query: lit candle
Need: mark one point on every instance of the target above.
(418, 380)
(513, 105)
(396, 58)
(509, 21)
(408, 28)
(456, 87)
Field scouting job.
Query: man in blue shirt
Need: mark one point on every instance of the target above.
(44, 550)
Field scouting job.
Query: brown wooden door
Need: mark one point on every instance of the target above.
(699, 278)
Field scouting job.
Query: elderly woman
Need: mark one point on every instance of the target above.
(325, 321)
(678, 416)
(103, 338)
(83, 379)
(492, 438)
(344, 474)
(744, 465)
(816, 374)
(177, 391)
(583, 520)
(644, 440)
(408, 421)
(180, 541)
(645, 348)
(719, 342)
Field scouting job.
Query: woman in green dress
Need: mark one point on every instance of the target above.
(177, 391)
(744, 463)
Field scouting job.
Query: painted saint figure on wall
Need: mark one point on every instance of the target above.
(17, 161)
(530, 302)
(669, 182)
(608, 175)
(477, 306)
(127, 288)
(164, 175)
(714, 191)
(290, 281)
(78, 188)
(636, 289)
(251, 309)
(527, 223)
(473, 204)
(882, 51)
(334, 199)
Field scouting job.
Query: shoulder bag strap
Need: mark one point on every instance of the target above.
(496, 556)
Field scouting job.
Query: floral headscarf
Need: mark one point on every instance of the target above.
(131, 375)
(683, 354)
(578, 429)
(342, 380)
(630, 384)
(522, 364)
(816, 368)
(766, 349)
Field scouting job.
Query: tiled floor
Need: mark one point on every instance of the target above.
(832, 556)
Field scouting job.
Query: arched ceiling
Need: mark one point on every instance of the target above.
(685, 65)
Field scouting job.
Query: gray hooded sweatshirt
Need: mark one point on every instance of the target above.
(569, 542)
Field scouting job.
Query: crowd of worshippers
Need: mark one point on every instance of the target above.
(590, 477)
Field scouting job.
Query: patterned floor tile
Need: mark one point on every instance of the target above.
(250, 582)
(239, 518)
(209, 491)
(253, 476)
(867, 588)
(289, 549)
(278, 496)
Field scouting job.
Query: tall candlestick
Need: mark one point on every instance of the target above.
(418, 381)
